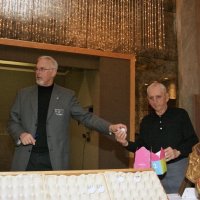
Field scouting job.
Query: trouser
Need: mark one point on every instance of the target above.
(174, 176)
(39, 162)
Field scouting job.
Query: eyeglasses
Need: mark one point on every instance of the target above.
(42, 69)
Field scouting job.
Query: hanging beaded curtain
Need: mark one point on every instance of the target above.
(116, 25)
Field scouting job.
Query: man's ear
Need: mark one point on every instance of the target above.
(54, 73)
(167, 97)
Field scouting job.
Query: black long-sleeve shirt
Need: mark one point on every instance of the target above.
(173, 129)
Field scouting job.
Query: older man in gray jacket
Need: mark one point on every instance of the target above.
(39, 121)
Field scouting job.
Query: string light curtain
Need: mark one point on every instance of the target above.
(124, 26)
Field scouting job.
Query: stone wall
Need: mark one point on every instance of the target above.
(188, 34)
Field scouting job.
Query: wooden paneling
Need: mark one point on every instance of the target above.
(6, 152)
(116, 106)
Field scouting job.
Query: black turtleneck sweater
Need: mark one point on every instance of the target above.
(44, 95)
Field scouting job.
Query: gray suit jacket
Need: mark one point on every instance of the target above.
(63, 105)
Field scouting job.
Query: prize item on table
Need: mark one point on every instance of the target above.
(146, 159)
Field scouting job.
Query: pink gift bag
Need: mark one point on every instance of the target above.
(142, 159)
(146, 159)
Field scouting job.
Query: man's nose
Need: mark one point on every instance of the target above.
(154, 99)
(37, 71)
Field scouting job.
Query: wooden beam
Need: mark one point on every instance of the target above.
(62, 48)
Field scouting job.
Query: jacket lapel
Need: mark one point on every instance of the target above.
(34, 101)
(55, 97)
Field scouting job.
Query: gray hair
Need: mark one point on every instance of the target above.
(155, 84)
(51, 59)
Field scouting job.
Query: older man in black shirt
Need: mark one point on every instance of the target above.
(169, 128)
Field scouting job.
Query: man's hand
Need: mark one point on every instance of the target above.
(27, 138)
(171, 154)
(119, 130)
(121, 138)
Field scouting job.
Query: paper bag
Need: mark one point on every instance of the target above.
(146, 159)
(158, 162)
(142, 159)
